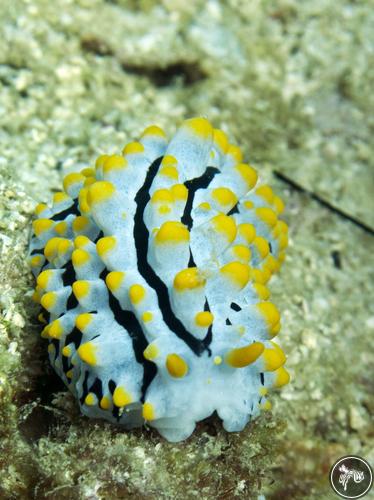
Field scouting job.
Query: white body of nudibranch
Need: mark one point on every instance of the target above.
(152, 269)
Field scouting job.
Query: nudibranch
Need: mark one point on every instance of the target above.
(152, 271)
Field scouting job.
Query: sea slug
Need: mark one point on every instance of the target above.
(151, 270)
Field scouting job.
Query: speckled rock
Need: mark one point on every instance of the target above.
(291, 82)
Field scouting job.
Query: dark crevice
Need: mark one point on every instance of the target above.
(187, 72)
(73, 209)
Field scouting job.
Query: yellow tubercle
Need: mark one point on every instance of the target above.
(105, 245)
(199, 126)
(148, 411)
(82, 200)
(81, 289)
(244, 356)
(60, 197)
(100, 192)
(180, 192)
(220, 140)
(133, 148)
(241, 252)
(267, 215)
(44, 277)
(36, 261)
(262, 291)
(169, 171)
(105, 403)
(42, 225)
(147, 316)
(237, 272)
(224, 224)
(121, 397)
(61, 228)
(71, 179)
(80, 223)
(88, 172)
(273, 359)
(235, 152)
(169, 160)
(217, 360)
(247, 231)
(81, 241)
(205, 206)
(269, 312)
(188, 279)
(274, 330)
(282, 377)
(40, 207)
(89, 181)
(87, 353)
(266, 193)
(248, 204)
(80, 257)
(262, 246)
(90, 399)
(153, 130)
(151, 352)
(263, 391)
(114, 280)
(100, 161)
(248, 174)
(69, 374)
(136, 294)
(66, 351)
(266, 406)
(176, 365)
(83, 320)
(278, 205)
(55, 329)
(162, 196)
(224, 196)
(48, 301)
(204, 318)
(172, 232)
(114, 162)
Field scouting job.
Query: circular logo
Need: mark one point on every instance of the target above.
(351, 477)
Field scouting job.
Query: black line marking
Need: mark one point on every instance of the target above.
(141, 235)
(75, 337)
(84, 387)
(193, 185)
(97, 388)
(130, 323)
(235, 307)
(262, 378)
(234, 210)
(228, 322)
(73, 209)
(324, 203)
(68, 276)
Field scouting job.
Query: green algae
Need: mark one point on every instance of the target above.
(290, 82)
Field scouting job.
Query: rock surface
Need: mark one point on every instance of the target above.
(290, 82)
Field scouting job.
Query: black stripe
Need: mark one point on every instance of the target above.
(141, 235)
(130, 323)
(193, 185)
